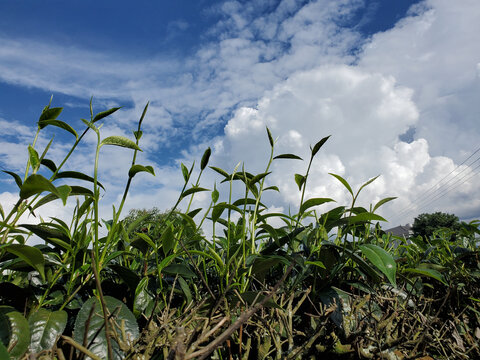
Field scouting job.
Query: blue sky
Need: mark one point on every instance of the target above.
(396, 84)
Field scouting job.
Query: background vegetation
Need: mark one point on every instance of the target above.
(325, 283)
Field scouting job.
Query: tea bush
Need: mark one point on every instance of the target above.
(329, 283)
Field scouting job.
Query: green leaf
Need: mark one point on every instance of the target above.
(57, 123)
(46, 233)
(49, 114)
(220, 171)
(104, 114)
(318, 145)
(147, 239)
(49, 164)
(138, 134)
(91, 126)
(14, 332)
(316, 263)
(63, 193)
(215, 195)
(17, 178)
(313, 202)
(270, 137)
(46, 327)
(33, 157)
(272, 188)
(120, 141)
(258, 177)
(75, 190)
(36, 184)
(167, 240)
(383, 201)
(300, 180)
(185, 289)
(193, 190)
(288, 156)
(4, 353)
(142, 297)
(205, 158)
(363, 217)
(140, 168)
(344, 182)
(185, 172)
(431, 273)
(192, 213)
(367, 183)
(76, 175)
(382, 260)
(254, 297)
(122, 320)
(128, 276)
(217, 210)
(180, 269)
(31, 255)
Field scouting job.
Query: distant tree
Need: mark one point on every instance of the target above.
(425, 224)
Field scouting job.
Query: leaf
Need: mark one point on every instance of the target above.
(316, 263)
(318, 145)
(75, 190)
(36, 184)
(205, 158)
(215, 195)
(167, 240)
(142, 297)
(17, 178)
(313, 202)
(91, 126)
(33, 157)
(4, 353)
(60, 124)
(343, 181)
(288, 156)
(218, 210)
(14, 332)
(247, 201)
(120, 141)
(104, 114)
(270, 137)
(180, 269)
(363, 217)
(258, 177)
(63, 193)
(367, 183)
(45, 328)
(193, 190)
(185, 172)
(300, 180)
(31, 255)
(147, 239)
(431, 273)
(49, 164)
(76, 175)
(185, 289)
(383, 201)
(272, 188)
(382, 260)
(220, 171)
(254, 297)
(128, 276)
(140, 168)
(49, 114)
(122, 319)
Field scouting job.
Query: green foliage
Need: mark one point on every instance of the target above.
(154, 286)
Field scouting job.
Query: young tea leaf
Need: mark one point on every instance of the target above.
(300, 180)
(343, 181)
(382, 260)
(193, 190)
(49, 164)
(185, 172)
(104, 114)
(33, 157)
(288, 156)
(14, 332)
(49, 114)
(313, 202)
(31, 255)
(205, 158)
(36, 184)
(120, 141)
(383, 201)
(220, 171)
(17, 178)
(215, 195)
(60, 124)
(270, 137)
(140, 168)
(76, 175)
(318, 145)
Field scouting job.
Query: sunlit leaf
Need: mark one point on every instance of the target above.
(36, 184)
(220, 171)
(76, 175)
(31, 255)
(185, 172)
(33, 157)
(60, 124)
(363, 217)
(105, 113)
(344, 182)
(49, 114)
(14, 332)
(120, 141)
(383, 201)
(140, 168)
(431, 273)
(300, 180)
(45, 328)
(382, 260)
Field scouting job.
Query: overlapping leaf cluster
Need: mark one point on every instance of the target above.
(325, 282)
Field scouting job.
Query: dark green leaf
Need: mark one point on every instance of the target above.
(215, 195)
(185, 172)
(105, 113)
(194, 212)
(46, 327)
(14, 332)
(122, 319)
(316, 263)
(318, 145)
(185, 289)
(57, 123)
(270, 137)
(288, 156)
(46, 233)
(49, 114)
(344, 182)
(193, 190)
(120, 141)
(254, 297)
(75, 190)
(313, 202)
(383, 201)
(3, 352)
(49, 164)
(180, 269)
(205, 158)
(431, 273)
(36, 184)
(76, 175)
(139, 168)
(128, 276)
(31, 255)
(63, 193)
(220, 171)
(167, 240)
(218, 210)
(258, 177)
(17, 178)
(272, 188)
(142, 297)
(364, 217)
(300, 180)
(382, 260)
